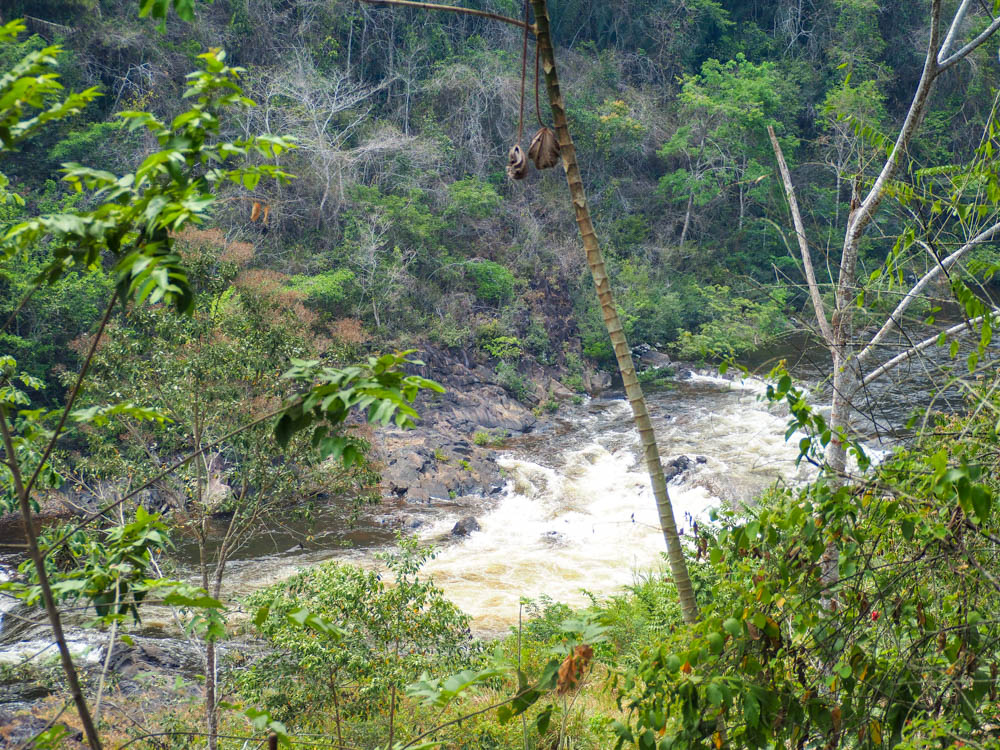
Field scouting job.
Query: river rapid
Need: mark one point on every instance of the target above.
(576, 515)
(575, 519)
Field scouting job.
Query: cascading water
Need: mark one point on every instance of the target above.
(578, 515)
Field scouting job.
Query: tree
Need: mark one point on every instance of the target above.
(132, 227)
(595, 261)
(852, 365)
(725, 110)
(970, 215)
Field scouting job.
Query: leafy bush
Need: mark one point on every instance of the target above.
(536, 338)
(844, 615)
(494, 283)
(489, 437)
(503, 347)
(472, 198)
(510, 379)
(736, 325)
(328, 290)
(392, 633)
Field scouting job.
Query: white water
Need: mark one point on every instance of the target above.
(578, 515)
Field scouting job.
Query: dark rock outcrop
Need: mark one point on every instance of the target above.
(18, 729)
(465, 527)
(677, 466)
(439, 460)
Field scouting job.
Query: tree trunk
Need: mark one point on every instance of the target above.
(623, 354)
(48, 598)
(687, 219)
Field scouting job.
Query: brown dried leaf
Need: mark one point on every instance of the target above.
(572, 669)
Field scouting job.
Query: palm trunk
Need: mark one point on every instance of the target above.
(623, 354)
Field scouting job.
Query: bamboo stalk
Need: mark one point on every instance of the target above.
(595, 260)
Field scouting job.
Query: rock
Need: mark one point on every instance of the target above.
(559, 392)
(17, 730)
(596, 381)
(674, 468)
(653, 358)
(701, 459)
(465, 527)
(418, 495)
(437, 490)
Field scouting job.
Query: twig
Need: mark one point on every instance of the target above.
(453, 9)
(72, 396)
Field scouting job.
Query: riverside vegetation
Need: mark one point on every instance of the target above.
(192, 270)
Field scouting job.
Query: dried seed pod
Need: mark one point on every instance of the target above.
(544, 149)
(517, 164)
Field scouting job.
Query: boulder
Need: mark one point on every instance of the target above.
(18, 729)
(675, 467)
(559, 392)
(465, 527)
(596, 381)
(652, 358)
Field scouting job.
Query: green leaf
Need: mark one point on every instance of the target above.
(715, 642)
(907, 528)
(982, 502)
(260, 616)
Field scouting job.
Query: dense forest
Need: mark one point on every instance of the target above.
(263, 264)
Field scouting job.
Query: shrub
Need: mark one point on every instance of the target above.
(494, 283)
(328, 290)
(737, 324)
(511, 380)
(472, 198)
(503, 347)
(392, 633)
(489, 437)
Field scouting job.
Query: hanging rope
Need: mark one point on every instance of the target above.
(538, 107)
(524, 74)
(544, 147)
(517, 164)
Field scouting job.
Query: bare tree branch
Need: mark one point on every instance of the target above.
(968, 48)
(895, 319)
(952, 30)
(960, 329)
(800, 233)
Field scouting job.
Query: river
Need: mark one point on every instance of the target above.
(576, 516)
